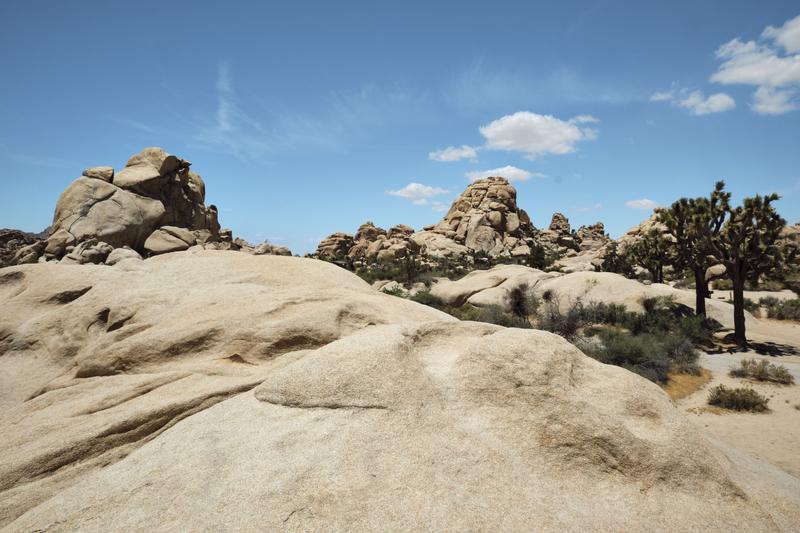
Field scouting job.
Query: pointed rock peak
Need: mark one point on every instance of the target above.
(560, 223)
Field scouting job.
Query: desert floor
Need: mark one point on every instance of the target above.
(773, 436)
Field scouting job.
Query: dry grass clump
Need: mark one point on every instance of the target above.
(763, 370)
(738, 399)
(682, 385)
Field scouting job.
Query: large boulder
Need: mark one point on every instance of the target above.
(169, 239)
(95, 209)
(153, 190)
(213, 391)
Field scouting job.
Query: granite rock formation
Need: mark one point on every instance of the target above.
(153, 205)
(210, 390)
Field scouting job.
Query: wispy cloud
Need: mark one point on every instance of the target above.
(695, 101)
(586, 208)
(134, 124)
(232, 131)
(453, 153)
(644, 204)
(480, 87)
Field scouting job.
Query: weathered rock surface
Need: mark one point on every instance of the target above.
(213, 391)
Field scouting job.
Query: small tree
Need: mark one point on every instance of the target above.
(614, 261)
(651, 252)
(745, 245)
(689, 222)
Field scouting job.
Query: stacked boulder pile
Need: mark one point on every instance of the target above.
(154, 205)
(370, 244)
(484, 219)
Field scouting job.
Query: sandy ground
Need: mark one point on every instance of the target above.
(773, 436)
(783, 295)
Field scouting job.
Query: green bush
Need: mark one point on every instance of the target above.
(395, 291)
(426, 298)
(651, 356)
(682, 355)
(521, 302)
(494, 314)
(552, 319)
(762, 370)
(781, 309)
(749, 305)
(739, 399)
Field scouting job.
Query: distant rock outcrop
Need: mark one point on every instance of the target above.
(154, 205)
(484, 220)
(370, 243)
(20, 247)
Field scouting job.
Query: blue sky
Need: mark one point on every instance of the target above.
(304, 117)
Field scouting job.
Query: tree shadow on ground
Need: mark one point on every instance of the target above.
(726, 344)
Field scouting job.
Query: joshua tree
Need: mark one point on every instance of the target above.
(690, 222)
(745, 244)
(652, 252)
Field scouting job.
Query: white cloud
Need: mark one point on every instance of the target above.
(698, 104)
(642, 203)
(509, 172)
(788, 35)
(751, 63)
(775, 73)
(534, 134)
(417, 192)
(453, 153)
(771, 101)
(662, 96)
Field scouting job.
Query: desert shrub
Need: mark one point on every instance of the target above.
(682, 355)
(749, 305)
(426, 298)
(762, 370)
(643, 354)
(782, 310)
(494, 314)
(565, 323)
(521, 302)
(395, 291)
(540, 258)
(723, 284)
(738, 399)
(464, 312)
(603, 313)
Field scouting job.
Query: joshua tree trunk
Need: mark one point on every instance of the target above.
(738, 307)
(700, 291)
